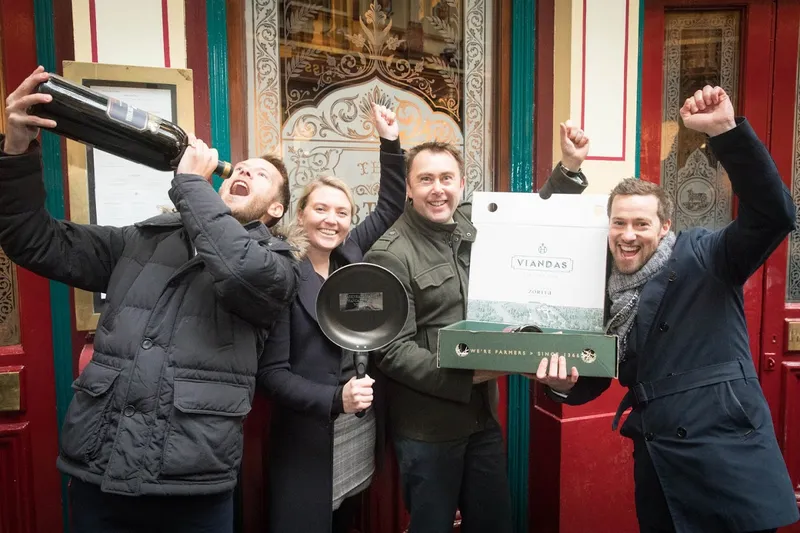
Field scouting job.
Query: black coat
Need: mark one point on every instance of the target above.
(701, 426)
(300, 370)
(159, 409)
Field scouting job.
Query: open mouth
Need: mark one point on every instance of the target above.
(328, 232)
(240, 188)
(628, 251)
(439, 203)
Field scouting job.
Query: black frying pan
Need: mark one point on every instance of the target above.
(362, 307)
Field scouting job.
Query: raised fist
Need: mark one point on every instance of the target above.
(709, 111)
(385, 122)
(574, 146)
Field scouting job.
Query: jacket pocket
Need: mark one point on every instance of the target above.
(204, 439)
(434, 277)
(740, 401)
(87, 419)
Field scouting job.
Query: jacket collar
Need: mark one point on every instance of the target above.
(461, 224)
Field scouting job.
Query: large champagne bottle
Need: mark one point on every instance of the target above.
(108, 124)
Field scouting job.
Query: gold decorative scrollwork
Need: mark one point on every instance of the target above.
(316, 65)
(373, 51)
(9, 314)
(343, 113)
(308, 165)
(371, 189)
(350, 118)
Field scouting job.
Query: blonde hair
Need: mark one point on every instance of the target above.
(325, 181)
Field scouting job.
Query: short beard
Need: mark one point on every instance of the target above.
(255, 210)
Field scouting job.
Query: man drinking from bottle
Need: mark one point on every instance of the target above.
(152, 438)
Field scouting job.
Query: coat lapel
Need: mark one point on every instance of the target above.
(649, 303)
(309, 288)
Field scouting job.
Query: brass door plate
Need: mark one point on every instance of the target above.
(10, 391)
(792, 336)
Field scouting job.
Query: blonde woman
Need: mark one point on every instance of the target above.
(321, 454)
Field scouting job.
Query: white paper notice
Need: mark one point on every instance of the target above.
(127, 192)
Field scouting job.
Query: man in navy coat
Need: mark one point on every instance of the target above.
(706, 459)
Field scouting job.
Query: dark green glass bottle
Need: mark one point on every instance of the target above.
(108, 124)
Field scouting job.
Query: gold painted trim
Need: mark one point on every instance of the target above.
(562, 69)
(86, 318)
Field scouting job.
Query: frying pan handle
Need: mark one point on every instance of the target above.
(360, 361)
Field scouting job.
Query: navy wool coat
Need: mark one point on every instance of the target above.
(300, 369)
(705, 452)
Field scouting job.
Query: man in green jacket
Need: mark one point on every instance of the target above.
(443, 422)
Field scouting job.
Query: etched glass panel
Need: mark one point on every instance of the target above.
(793, 267)
(9, 311)
(700, 48)
(315, 66)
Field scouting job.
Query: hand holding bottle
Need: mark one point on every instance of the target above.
(198, 159)
(23, 128)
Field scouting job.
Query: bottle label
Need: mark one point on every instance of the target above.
(127, 114)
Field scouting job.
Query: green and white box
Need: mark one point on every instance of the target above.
(540, 262)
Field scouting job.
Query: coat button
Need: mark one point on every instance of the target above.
(649, 436)
(129, 411)
(681, 433)
(673, 276)
(147, 344)
(663, 326)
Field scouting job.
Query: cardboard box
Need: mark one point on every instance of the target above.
(540, 262)
(484, 346)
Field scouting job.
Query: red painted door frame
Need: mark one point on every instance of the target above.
(767, 97)
(780, 368)
(754, 101)
(30, 487)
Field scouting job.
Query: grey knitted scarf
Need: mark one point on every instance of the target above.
(624, 289)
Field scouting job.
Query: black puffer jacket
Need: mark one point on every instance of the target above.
(159, 408)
